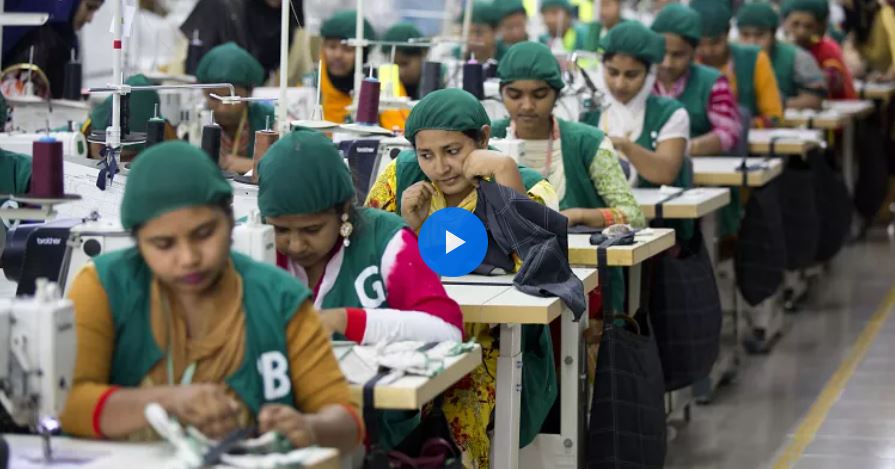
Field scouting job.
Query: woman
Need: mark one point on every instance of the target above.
(364, 265)
(229, 63)
(806, 23)
(338, 63)
(483, 43)
(649, 131)
(449, 130)
(409, 61)
(563, 33)
(215, 338)
(871, 28)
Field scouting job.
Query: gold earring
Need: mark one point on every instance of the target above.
(345, 230)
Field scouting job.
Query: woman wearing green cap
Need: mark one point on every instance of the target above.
(562, 32)
(806, 24)
(715, 125)
(409, 61)
(802, 83)
(449, 130)
(483, 43)
(364, 265)
(513, 25)
(229, 63)
(218, 340)
(651, 132)
(747, 68)
(142, 107)
(338, 63)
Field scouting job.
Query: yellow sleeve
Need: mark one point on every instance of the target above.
(544, 194)
(887, 16)
(95, 331)
(770, 104)
(317, 380)
(383, 195)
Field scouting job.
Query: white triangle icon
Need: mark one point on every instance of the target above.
(451, 242)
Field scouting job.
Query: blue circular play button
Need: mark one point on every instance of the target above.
(453, 242)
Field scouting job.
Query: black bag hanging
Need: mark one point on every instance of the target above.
(429, 446)
(685, 312)
(835, 209)
(760, 257)
(872, 183)
(798, 208)
(627, 416)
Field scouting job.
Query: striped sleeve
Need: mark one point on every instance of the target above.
(724, 114)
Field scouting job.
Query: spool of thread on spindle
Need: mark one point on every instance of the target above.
(474, 79)
(193, 54)
(71, 85)
(46, 169)
(155, 131)
(368, 102)
(263, 141)
(431, 79)
(211, 141)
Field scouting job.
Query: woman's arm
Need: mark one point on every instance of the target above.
(724, 115)
(489, 163)
(660, 166)
(320, 390)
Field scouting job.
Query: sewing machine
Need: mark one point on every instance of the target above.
(36, 364)
(73, 143)
(58, 249)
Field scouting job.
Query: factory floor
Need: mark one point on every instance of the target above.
(834, 365)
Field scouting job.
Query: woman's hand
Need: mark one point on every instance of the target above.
(415, 203)
(334, 320)
(621, 144)
(287, 421)
(208, 408)
(574, 215)
(486, 164)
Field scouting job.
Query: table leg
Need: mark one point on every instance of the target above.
(572, 375)
(634, 278)
(848, 156)
(708, 225)
(509, 396)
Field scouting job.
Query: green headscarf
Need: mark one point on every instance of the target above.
(141, 107)
(510, 7)
(303, 173)
(484, 12)
(681, 20)
(229, 63)
(343, 25)
(403, 32)
(530, 61)
(819, 8)
(758, 15)
(634, 39)
(448, 109)
(170, 176)
(564, 4)
(715, 14)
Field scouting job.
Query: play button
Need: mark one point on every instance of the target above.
(453, 242)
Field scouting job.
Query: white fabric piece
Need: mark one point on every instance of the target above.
(624, 119)
(360, 363)
(386, 325)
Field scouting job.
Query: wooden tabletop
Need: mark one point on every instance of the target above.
(691, 204)
(854, 108)
(881, 91)
(100, 454)
(724, 171)
(826, 120)
(589, 278)
(787, 141)
(413, 392)
(648, 243)
(503, 304)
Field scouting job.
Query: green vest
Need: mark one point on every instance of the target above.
(744, 59)
(258, 117)
(576, 38)
(15, 177)
(579, 144)
(658, 111)
(783, 58)
(539, 385)
(270, 299)
(408, 173)
(696, 96)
